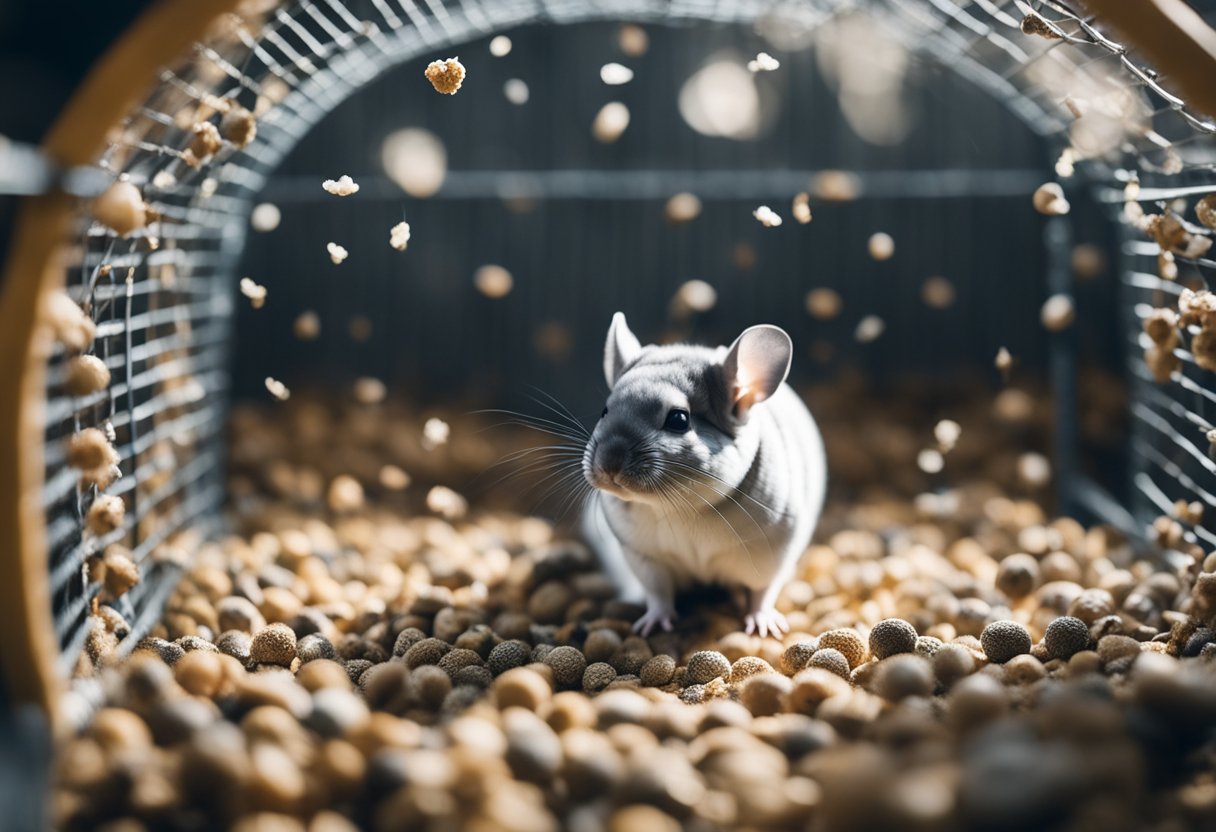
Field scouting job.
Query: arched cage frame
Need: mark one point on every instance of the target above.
(162, 297)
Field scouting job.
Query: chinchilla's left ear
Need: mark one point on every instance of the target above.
(621, 349)
(755, 366)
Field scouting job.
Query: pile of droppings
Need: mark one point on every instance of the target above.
(957, 659)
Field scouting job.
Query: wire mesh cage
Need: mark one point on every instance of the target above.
(153, 261)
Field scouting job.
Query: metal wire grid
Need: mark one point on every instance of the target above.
(164, 305)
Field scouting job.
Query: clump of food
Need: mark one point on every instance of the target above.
(238, 126)
(105, 515)
(121, 208)
(445, 76)
(801, 207)
(1050, 201)
(253, 290)
(1057, 313)
(342, 186)
(763, 62)
(205, 142)
(277, 389)
(399, 236)
(1034, 24)
(337, 254)
(86, 374)
(881, 246)
(767, 217)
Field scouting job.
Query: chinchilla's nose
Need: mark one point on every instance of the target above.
(611, 457)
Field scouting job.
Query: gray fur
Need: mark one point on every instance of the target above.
(734, 500)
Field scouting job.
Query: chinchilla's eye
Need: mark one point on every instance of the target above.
(605, 413)
(677, 421)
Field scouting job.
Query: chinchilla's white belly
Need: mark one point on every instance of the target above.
(747, 537)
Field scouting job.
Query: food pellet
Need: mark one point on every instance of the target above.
(767, 216)
(610, 122)
(445, 76)
(614, 74)
(881, 246)
(801, 207)
(1049, 200)
(277, 389)
(493, 281)
(1057, 313)
(763, 62)
(500, 46)
(682, 207)
(342, 186)
(254, 291)
(337, 254)
(399, 236)
(121, 208)
(86, 374)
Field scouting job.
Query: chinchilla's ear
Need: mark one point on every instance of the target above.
(621, 349)
(755, 366)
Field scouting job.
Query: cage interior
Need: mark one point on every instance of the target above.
(933, 122)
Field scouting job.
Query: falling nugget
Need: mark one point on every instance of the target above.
(446, 76)
(337, 253)
(767, 216)
(763, 62)
(399, 236)
(435, 432)
(344, 186)
(254, 291)
(277, 389)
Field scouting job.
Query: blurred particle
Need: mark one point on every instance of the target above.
(1003, 363)
(307, 326)
(500, 46)
(1034, 470)
(947, 433)
(869, 329)
(277, 389)
(930, 461)
(632, 40)
(937, 293)
(1057, 313)
(445, 76)
(493, 281)
(553, 340)
(393, 478)
(336, 253)
(265, 216)
(435, 432)
(695, 296)
(767, 216)
(801, 208)
(416, 160)
(763, 62)
(610, 122)
(1049, 200)
(399, 236)
(360, 328)
(516, 91)
(744, 256)
(721, 99)
(614, 74)
(683, 207)
(836, 186)
(254, 291)
(823, 304)
(369, 390)
(446, 503)
(343, 186)
(822, 351)
(881, 246)
(1088, 261)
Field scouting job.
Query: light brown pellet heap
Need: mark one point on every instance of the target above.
(352, 658)
(446, 76)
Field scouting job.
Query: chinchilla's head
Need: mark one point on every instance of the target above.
(678, 423)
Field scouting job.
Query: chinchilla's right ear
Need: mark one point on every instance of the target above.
(621, 349)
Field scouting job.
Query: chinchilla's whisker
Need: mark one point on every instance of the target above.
(537, 423)
(561, 411)
(727, 485)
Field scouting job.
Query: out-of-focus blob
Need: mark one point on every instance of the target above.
(610, 122)
(866, 65)
(416, 160)
(722, 99)
(516, 91)
(790, 26)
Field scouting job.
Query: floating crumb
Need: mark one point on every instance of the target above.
(836, 186)
(1034, 470)
(86, 374)
(763, 62)
(344, 186)
(516, 91)
(632, 40)
(121, 208)
(164, 180)
(265, 216)
(435, 432)
(336, 253)
(277, 389)
(1058, 313)
(881, 246)
(614, 74)
(1004, 363)
(345, 494)
(1035, 24)
(500, 46)
(937, 293)
(446, 503)
(767, 216)
(445, 76)
(869, 329)
(105, 515)
(682, 207)
(801, 208)
(947, 433)
(694, 296)
(254, 291)
(493, 281)
(204, 144)
(394, 478)
(369, 390)
(307, 326)
(68, 322)
(610, 122)
(1088, 261)
(823, 304)
(931, 461)
(1049, 200)
(238, 126)
(1205, 210)
(399, 236)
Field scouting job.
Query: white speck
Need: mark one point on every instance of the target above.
(610, 122)
(500, 46)
(615, 74)
(764, 62)
(435, 432)
(767, 216)
(399, 236)
(336, 253)
(344, 186)
(277, 389)
(516, 91)
(253, 291)
(869, 328)
(265, 216)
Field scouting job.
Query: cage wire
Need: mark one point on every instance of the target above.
(163, 297)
